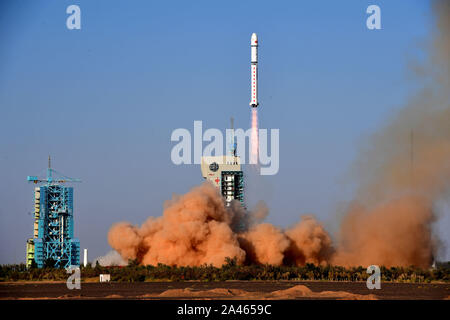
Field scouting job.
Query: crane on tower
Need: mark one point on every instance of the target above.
(50, 177)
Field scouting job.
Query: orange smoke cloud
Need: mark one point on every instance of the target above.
(197, 228)
(403, 170)
(397, 233)
(264, 244)
(309, 243)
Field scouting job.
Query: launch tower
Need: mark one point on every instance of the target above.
(53, 243)
(225, 172)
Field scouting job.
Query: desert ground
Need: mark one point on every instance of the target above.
(225, 290)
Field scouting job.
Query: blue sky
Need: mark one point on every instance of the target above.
(104, 100)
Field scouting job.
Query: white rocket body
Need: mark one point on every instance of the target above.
(254, 71)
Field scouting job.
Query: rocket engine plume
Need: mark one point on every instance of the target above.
(254, 157)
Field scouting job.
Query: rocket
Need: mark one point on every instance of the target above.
(254, 71)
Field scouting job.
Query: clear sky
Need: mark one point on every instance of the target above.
(104, 100)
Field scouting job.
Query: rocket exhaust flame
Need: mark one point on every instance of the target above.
(254, 138)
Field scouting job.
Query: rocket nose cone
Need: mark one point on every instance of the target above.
(254, 39)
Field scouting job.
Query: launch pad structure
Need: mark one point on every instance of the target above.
(53, 243)
(225, 172)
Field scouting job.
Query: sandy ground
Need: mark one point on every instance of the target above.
(225, 290)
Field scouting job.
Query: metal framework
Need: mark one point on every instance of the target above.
(55, 229)
(225, 172)
(232, 187)
(53, 243)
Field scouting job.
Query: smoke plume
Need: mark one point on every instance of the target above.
(404, 170)
(197, 228)
(112, 258)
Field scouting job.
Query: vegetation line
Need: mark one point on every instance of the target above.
(229, 271)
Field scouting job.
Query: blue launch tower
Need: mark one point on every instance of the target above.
(53, 243)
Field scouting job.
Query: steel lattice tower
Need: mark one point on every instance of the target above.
(53, 243)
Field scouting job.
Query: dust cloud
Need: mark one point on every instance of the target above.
(404, 170)
(197, 228)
